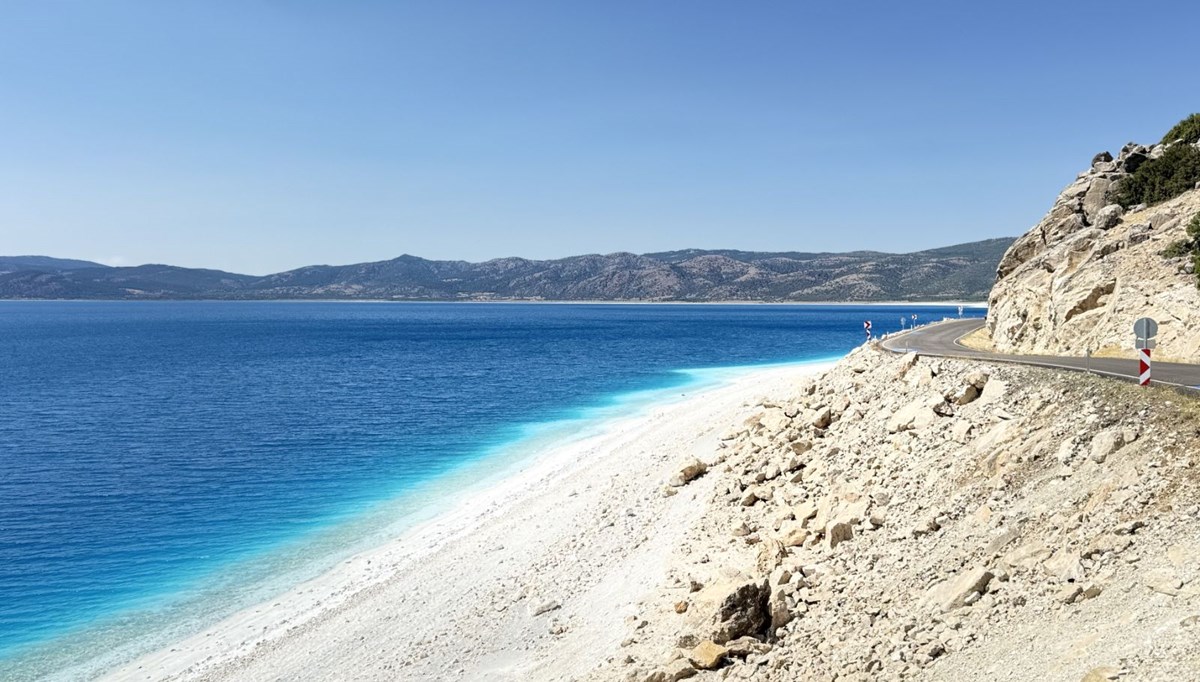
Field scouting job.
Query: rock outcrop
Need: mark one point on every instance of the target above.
(1081, 276)
(1043, 529)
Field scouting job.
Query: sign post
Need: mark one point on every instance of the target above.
(1145, 329)
(867, 329)
(901, 323)
(960, 309)
(914, 318)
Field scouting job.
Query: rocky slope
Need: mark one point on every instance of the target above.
(907, 518)
(1081, 276)
(962, 272)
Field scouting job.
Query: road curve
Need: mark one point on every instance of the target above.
(941, 339)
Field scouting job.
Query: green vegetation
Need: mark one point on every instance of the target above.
(1168, 176)
(1187, 130)
(1177, 249)
(1193, 233)
(1189, 245)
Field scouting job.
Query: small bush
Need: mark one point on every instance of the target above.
(1177, 249)
(1193, 233)
(1189, 246)
(1168, 176)
(1187, 130)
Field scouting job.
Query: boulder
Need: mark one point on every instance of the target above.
(1105, 443)
(838, 532)
(708, 655)
(957, 591)
(1096, 198)
(1164, 582)
(793, 534)
(1133, 161)
(688, 472)
(821, 417)
(1065, 567)
(804, 511)
(963, 395)
(978, 379)
(744, 646)
(778, 610)
(915, 415)
(919, 376)
(961, 430)
(734, 608)
(1109, 216)
(907, 361)
(993, 391)
(771, 553)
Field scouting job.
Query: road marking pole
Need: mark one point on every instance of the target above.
(1145, 329)
(867, 329)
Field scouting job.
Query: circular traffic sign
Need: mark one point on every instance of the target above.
(1145, 328)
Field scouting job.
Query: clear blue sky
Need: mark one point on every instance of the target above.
(259, 136)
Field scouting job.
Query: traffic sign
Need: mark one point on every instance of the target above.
(1145, 328)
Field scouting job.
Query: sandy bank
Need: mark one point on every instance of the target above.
(533, 578)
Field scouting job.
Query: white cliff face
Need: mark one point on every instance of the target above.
(1081, 277)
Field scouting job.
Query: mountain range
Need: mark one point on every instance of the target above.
(960, 272)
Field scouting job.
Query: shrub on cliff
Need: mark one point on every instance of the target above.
(1193, 233)
(1168, 176)
(1187, 130)
(1189, 246)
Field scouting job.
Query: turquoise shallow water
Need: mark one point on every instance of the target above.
(166, 463)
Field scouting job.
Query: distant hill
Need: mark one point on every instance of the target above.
(43, 263)
(961, 272)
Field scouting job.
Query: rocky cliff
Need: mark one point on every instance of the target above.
(1079, 279)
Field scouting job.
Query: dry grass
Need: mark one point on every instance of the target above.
(1113, 352)
(1131, 354)
(979, 339)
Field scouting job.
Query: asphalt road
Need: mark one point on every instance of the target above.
(941, 339)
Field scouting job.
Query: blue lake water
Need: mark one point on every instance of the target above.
(165, 463)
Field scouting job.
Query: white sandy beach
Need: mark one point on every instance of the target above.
(532, 578)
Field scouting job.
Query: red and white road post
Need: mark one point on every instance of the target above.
(1144, 330)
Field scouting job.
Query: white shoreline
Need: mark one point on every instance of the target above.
(493, 546)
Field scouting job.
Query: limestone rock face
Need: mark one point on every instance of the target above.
(1079, 279)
